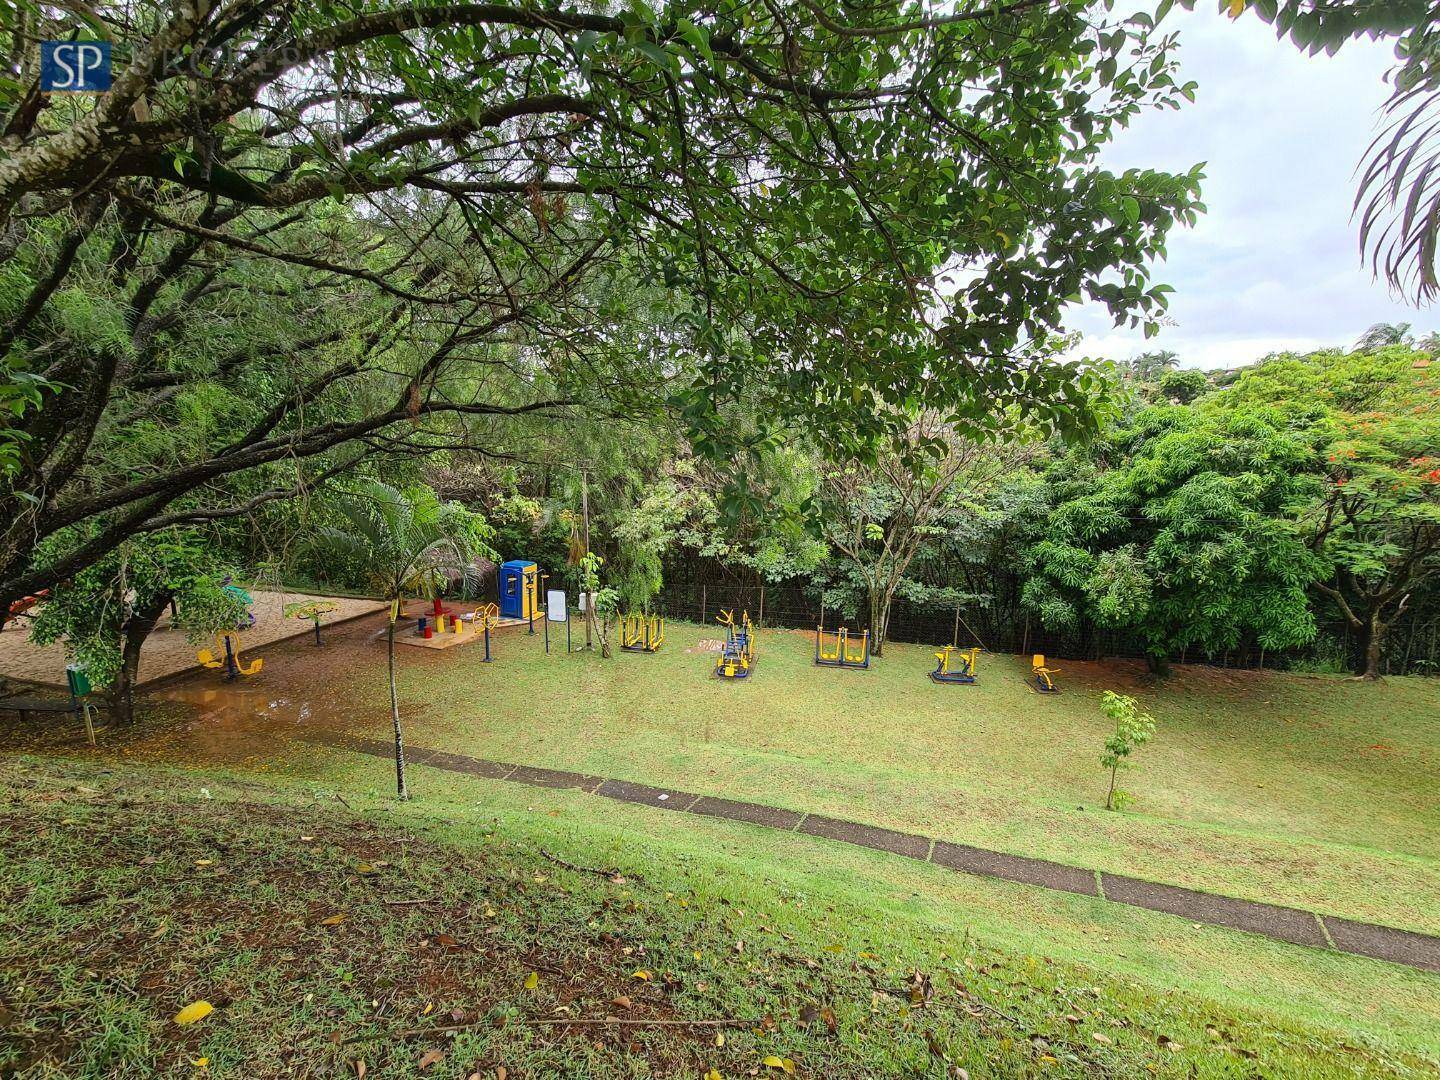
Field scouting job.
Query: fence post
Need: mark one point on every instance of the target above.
(760, 620)
(702, 603)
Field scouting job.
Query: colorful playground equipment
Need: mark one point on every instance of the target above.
(228, 657)
(312, 610)
(1041, 673)
(955, 665)
(642, 633)
(519, 589)
(841, 655)
(737, 656)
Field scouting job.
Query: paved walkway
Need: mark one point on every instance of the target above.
(1294, 925)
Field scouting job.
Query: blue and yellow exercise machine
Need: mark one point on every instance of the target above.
(955, 665)
(841, 654)
(737, 655)
(642, 632)
(227, 656)
(1043, 682)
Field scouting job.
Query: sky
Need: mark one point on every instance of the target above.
(1274, 263)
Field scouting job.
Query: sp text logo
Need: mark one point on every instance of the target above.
(75, 66)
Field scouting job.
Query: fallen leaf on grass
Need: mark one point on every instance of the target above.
(720, 1038)
(196, 1010)
(641, 974)
(621, 1001)
(333, 920)
(201, 1063)
(532, 980)
(714, 1074)
(431, 1057)
(360, 1069)
(1102, 1039)
(770, 1061)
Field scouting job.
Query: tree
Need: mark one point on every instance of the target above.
(1133, 729)
(424, 192)
(878, 514)
(1179, 528)
(104, 614)
(1183, 387)
(1374, 521)
(410, 542)
(1383, 335)
(1149, 367)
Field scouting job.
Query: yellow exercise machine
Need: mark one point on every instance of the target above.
(1043, 682)
(642, 633)
(842, 654)
(955, 665)
(228, 657)
(737, 657)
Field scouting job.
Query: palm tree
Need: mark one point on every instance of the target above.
(1384, 334)
(409, 542)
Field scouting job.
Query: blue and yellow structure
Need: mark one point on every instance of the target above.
(737, 655)
(955, 665)
(519, 584)
(841, 652)
(1041, 674)
(642, 632)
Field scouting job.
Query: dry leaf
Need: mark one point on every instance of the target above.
(1103, 1040)
(621, 1001)
(532, 980)
(641, 974)
(772, 1062)
(360, 1069)
(197, 1010)
(714, 1074)
(431, 1057)
(333, 920)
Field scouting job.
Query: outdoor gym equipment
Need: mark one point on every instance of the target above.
(737, 656)
(312, 610)
(841, 655)
(642, 633)
(954, 665)
(229, 657)
(1043, 682)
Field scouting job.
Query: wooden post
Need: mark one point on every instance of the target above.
(760, 619)
(702, 603)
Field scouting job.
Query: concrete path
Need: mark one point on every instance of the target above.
(1293, 925)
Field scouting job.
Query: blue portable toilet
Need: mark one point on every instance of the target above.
(519, 589)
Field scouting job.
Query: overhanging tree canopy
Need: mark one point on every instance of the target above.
(804, 179)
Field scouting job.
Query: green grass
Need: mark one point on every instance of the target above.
(131, 893)
(1311, 791)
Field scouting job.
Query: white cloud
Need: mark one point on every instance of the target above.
(1274, 264)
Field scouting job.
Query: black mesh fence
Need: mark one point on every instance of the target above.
(699, 589)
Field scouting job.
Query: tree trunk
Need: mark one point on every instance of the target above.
(879, 620)
(1375, 631)
(400, 789)
(1158, 664)
(137, 628)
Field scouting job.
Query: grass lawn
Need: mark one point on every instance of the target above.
(132, 893)
(1316, 792)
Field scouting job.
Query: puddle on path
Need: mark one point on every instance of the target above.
(253, 722)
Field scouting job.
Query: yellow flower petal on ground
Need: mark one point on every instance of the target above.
(197, 1010)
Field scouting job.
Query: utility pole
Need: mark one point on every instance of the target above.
(589, 596)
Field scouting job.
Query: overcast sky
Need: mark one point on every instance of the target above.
(1274, 263)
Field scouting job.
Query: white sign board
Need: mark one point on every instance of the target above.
(555, 608)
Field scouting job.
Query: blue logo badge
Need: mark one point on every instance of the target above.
(75, 66)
